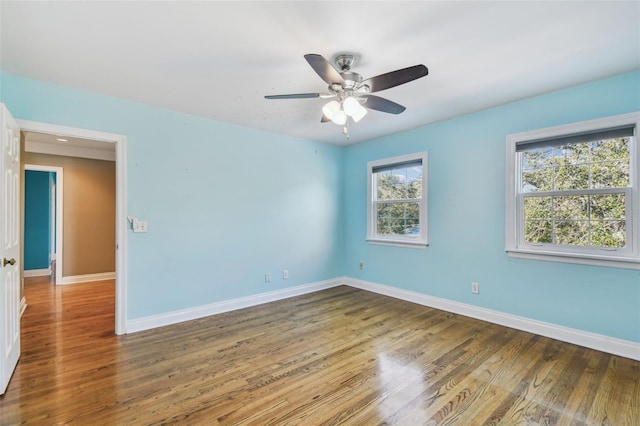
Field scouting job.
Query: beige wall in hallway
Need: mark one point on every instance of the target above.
(89, 208)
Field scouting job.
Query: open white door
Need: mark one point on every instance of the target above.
(10, 247)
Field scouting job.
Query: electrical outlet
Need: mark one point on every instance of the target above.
(267, 277)
(475, 288)
(285, 274)
(361, 266)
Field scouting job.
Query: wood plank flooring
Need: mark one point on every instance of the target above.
(339, 356)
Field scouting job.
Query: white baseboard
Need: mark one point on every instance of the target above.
(75, 279)
(23, 305)
(28, 273)
(625, 348)
(188, 314)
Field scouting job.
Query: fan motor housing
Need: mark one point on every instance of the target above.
(345, 61)
(351, 79)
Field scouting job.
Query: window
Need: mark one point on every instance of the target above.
(397, 200)
(573, 193)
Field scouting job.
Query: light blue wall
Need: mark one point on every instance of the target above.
(225, 204)
(37, 218)
(466, 218)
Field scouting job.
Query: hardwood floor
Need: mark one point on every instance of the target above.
(339, 356)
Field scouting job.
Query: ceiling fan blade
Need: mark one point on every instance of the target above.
(324, 69)
(324, 119)
(294, 96)
(395, 78)
(382, 104)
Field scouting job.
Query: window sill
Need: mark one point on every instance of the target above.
(398, 243)
(593, 260)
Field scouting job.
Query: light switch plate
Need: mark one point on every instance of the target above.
(139, 226)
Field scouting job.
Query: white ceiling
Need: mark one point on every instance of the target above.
(219, 59)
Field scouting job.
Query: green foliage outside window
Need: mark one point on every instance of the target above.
(577, 212)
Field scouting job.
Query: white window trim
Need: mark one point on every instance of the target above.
(422, 241)
(628, 258)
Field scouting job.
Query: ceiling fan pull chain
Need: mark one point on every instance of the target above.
(345, 129)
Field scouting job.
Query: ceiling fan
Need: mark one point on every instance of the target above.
(350, 94)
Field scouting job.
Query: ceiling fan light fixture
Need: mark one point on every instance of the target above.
(360, 114)
(351, 106)
(340, 118)
(331, 109)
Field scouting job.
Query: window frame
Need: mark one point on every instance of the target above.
(422, 240)
(515, 246)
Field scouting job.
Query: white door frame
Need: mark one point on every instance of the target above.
(121, 202)
(59, 211)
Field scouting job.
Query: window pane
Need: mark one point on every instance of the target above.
(608, 206)
(537, 180)
(569, 177)
(537, 158)
(390, 186)
(387, 185)
(412, 230)
(610, 149)
(414, 189)
(384, 219)
(384, 211)
(384, 227)
(397, 211)
(610, 174)
(571, 154)
(412, 211)
(537, 208)
(608, 234)
(571, 207)
(571, 233)
(538, 231)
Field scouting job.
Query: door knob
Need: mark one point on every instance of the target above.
(11, 261)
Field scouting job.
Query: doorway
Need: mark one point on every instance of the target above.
(87, 226)
(120, 215)
(51, 208)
